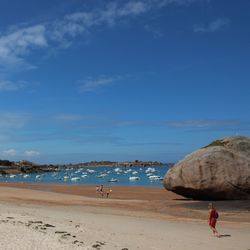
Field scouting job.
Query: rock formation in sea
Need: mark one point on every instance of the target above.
(219, 171)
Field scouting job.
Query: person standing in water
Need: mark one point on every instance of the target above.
(212, 219)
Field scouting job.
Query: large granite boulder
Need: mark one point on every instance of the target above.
(219, 171)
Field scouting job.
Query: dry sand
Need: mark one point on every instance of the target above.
(63, 217)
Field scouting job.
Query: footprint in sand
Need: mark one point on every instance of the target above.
(98, 244)
(78, 243)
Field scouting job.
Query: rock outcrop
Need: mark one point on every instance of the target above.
(219, 171)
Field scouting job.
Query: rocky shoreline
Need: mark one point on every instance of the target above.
(27, 167)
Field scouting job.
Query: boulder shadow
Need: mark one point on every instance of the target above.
(182, 199)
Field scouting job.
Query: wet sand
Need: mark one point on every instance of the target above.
(152, 202)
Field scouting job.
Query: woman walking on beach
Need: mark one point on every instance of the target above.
(212, 219)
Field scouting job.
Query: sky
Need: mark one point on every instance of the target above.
(121, 80)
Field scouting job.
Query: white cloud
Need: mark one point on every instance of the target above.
(134, 8)
(193, 123)
(30, 153)
(13, 120)
(10, 153)
(213, 26)
(68, 117)
(16, 44)
(210, 124)
(81, 22)
(6, 85)
(19, 42)
(91, 84)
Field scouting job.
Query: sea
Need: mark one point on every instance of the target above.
(111, 176)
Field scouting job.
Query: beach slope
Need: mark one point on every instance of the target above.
(49, 219)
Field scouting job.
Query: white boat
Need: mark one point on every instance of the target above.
(12, 176)
(65, 178)
(26, 176)
(101, 175)
(148, 170)
(135, 172)
(84, 176)
(90, 170)
(128, 171)
(113, 180)
(38, 176)
(75, 179)
(134, 178)
(155, 177)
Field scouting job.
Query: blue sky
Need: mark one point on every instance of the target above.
(121, 80)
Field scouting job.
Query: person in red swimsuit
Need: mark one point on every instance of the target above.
(212, 219)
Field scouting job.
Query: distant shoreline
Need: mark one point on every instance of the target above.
(27, 167)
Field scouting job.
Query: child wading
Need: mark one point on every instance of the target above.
(212, 219)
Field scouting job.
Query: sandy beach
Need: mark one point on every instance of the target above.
(40, 216)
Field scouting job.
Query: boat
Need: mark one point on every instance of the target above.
(66, 178)
(113, 180)
(155, 177)
(134, 178)
(148, 170)
(101, 175)
(75, 179)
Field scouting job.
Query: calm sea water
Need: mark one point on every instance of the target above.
(133, 176)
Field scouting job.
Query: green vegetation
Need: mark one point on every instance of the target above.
(5, 163)
(216, 143)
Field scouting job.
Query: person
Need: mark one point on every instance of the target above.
(212, 219)
(101, 191)
(108, 193)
